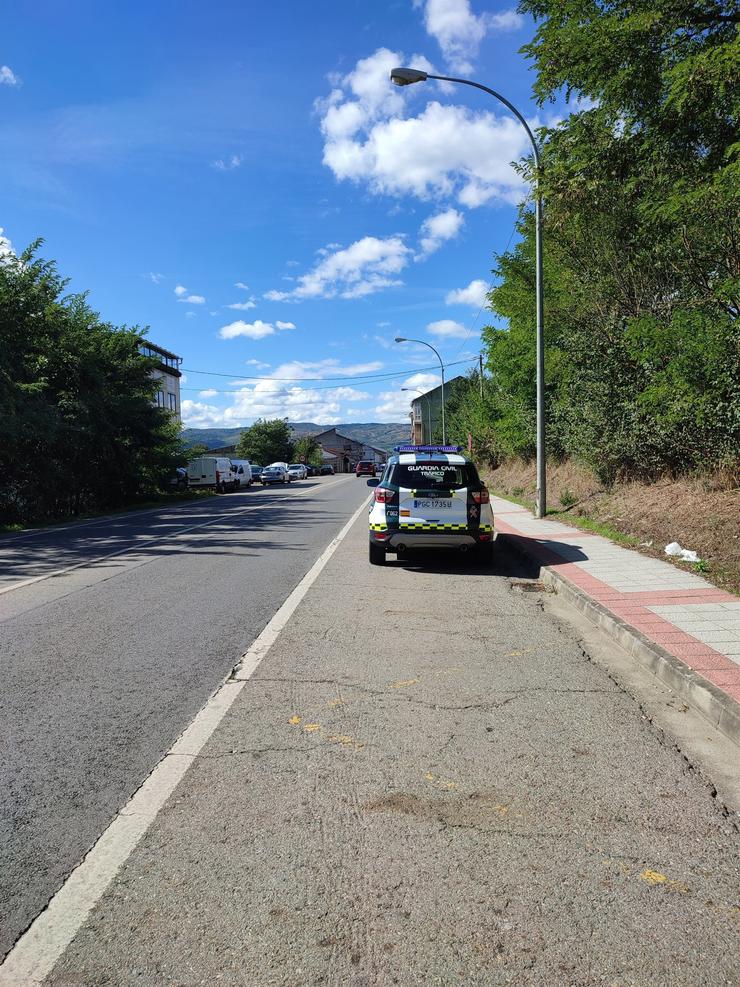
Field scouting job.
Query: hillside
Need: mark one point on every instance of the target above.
(381, 435)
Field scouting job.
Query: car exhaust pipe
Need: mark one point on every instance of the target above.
(400, 547)
(463, 548)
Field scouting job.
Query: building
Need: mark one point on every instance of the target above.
(343, 452)
(426, 411)
(167, 373)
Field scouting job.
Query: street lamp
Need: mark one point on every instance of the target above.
(402, 339)
(418, 390)
(406, 77)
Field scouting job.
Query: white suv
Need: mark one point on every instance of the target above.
(430, 497)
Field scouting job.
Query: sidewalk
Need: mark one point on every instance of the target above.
(683, 628)
(424, 782)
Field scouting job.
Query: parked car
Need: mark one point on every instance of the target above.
(297, 471)
(311, 470)
(326, 470)
(256, 471)
(179, 479)
(365, 467)
(277, 473)
(430, 497)
(243, 470)
(212, 471)
(379, 467)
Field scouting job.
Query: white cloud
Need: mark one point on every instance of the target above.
(436, 229)
(395, 405)
(182, 296)
(366, 266)
(240, 284)
(279, 398)
(208, 393)
(474, 295)
(6, 249)
(243, 306)
(252, 330)
(190, 315)
(229, 163)
(8, 76)
(444, 151)
(459, 32)
(257, 363)
(447, 329)
(154, 277)
(198, 415)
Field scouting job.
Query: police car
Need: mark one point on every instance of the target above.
(430, 497)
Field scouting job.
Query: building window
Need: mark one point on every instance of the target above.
(160, 399)
(172, 398)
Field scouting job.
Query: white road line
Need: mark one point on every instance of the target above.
(146, 541)
(38, 949)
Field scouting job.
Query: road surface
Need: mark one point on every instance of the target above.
(112, 635)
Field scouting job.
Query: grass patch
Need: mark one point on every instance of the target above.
(595, 526)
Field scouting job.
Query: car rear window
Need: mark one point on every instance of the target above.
(434, 476)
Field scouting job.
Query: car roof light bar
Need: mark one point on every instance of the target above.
(427, 449)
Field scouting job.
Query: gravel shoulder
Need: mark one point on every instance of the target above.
(426, 781)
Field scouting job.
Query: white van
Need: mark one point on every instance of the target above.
(212, 471)
(243, 470)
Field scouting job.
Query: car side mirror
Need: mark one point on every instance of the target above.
(375, 482)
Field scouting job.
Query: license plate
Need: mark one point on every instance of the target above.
(437, 505)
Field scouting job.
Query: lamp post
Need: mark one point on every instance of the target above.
(416, 390)
(405, 77)
(403, 339)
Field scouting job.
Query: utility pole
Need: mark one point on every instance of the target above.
(480, 373)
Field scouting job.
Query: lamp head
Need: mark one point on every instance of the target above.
(405, 77)
(401, 339)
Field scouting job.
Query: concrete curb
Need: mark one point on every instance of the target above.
(714, 705)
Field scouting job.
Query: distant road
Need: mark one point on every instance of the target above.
(113, 633)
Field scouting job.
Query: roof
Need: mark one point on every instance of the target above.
(407, 458)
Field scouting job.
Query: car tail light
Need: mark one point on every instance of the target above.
(481, 496)
(383, 496)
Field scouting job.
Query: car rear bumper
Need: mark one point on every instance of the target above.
(429, 539)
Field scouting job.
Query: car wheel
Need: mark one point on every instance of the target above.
(377, 554)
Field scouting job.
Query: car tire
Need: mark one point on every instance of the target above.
(377, 554)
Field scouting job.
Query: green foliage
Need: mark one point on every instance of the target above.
(641, 247)
(307, 450)
(267, 441)
(567, 498)
(78, 429)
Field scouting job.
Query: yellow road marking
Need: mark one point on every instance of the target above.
(438, 782)
(294, 721)
(655, 877)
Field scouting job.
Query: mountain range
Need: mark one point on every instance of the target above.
(378, 434)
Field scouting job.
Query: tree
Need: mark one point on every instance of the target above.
(307, 450)
(267, 441)
(642, 249)
(76, 402)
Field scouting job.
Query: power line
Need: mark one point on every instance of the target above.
(301, 380)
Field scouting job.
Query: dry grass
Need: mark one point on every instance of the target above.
(702, 514)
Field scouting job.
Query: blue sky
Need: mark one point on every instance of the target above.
(243, 178)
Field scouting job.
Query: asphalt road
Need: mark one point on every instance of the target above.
(426, 781)
(113, 633)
